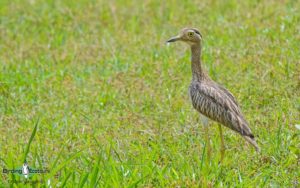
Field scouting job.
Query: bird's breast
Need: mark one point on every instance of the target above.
(196, 97)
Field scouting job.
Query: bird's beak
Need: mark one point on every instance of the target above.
(173, 39)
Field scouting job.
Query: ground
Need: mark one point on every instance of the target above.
(109, 99)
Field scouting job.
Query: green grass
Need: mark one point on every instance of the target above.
(110, 99)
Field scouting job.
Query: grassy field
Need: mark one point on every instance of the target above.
(110, 99)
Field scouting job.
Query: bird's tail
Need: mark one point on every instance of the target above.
(253, 142)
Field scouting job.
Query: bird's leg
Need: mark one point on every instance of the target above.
(205, 123)
(222, 150)
(208, 148)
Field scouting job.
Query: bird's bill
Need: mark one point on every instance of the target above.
(173, 39)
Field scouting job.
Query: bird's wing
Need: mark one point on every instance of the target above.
(227, 93)
(219, 105)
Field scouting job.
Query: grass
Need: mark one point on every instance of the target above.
(109, 99)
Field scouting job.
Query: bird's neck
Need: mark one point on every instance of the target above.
(197, 71)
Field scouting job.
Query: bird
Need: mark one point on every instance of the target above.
(213, 101)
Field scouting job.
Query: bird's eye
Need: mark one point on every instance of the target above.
(190, 34)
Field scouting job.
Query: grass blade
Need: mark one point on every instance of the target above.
(30, 140)
(65, 182)
(95, 172)
(83, 180)
(62, 165)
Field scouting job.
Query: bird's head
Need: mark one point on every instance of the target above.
(191, 36)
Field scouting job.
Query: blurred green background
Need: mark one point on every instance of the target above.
(112, 100)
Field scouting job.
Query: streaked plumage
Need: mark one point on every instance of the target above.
(208, 97)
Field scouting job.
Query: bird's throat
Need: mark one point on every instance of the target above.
(196, 62)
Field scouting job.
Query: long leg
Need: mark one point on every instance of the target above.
(205, 123)
(208, 148)
(222, 150)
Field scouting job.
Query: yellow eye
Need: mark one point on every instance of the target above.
(190, 34)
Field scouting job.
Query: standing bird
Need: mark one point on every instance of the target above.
(211, 99)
